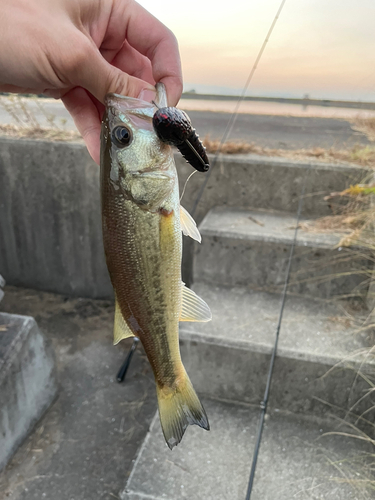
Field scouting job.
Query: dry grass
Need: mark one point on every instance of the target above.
(357, 423)
(366, 126)
(360, 155)
(26, 124)
(353, 214)
(39, 133)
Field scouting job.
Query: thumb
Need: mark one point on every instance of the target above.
(99, 77)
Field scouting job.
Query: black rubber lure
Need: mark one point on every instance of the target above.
(173, 126)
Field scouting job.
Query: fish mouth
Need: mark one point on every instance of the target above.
(119, 105)
(117, 101)
(112, 99)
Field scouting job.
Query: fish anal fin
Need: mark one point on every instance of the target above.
(188, 225)
(121, 329)
(193, 307)
(179, 407)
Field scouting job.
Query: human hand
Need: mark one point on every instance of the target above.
(80, 50)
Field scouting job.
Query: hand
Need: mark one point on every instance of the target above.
(80, 50)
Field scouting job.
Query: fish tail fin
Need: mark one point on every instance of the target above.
(178, 408)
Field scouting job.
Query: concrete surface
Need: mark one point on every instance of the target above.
(251, 248)
(50, 225)
(50, 236)
(82, 448)
(285, 132)
(297, 460)
(322, 351)
(27, 380)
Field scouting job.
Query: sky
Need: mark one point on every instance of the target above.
(323, 48)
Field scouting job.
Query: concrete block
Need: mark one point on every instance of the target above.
(27, 380)
(241, 247)
(320, 354)
(297, 460)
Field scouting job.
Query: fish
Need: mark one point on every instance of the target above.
(142, 223)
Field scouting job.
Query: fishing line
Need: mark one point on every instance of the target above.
(232, 120)
(187, 180)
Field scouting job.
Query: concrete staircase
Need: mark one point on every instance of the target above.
(247, 231)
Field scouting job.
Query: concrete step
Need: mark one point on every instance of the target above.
(320, 353)
(297, 460)
(270, 183)
(27, 380)
(243, 247)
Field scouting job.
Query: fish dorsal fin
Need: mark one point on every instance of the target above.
(188, 225)
(193, 307)
(120, 328)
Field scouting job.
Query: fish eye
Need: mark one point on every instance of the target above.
(121, 136)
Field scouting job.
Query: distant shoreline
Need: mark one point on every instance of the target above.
(283, 100)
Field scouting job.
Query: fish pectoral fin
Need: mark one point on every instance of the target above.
(193, 307)
(121, 329)
(188, 225)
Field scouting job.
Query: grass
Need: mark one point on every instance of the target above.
(40, 133)
(353, 214)
(366, 126)
(26, 124)
(360, 155)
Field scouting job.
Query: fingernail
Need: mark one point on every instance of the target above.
(147, 95)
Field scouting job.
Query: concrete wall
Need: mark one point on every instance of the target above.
(50, 226)
(50, 223)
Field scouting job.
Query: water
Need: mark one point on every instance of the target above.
(274, 108)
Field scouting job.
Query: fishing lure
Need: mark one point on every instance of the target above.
(173, 126)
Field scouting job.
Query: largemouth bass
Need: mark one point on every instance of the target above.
(142, 222)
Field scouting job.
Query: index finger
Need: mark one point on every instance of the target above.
(154, 40)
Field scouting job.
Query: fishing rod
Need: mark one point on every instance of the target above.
(264, 403)
(121, 374)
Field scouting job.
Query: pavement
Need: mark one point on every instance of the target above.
(273, 131)
(280, 132)
(84, 445)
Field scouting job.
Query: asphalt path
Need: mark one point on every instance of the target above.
(273, 131)
(285, 132)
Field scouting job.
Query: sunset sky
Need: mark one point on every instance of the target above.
(324, 48)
